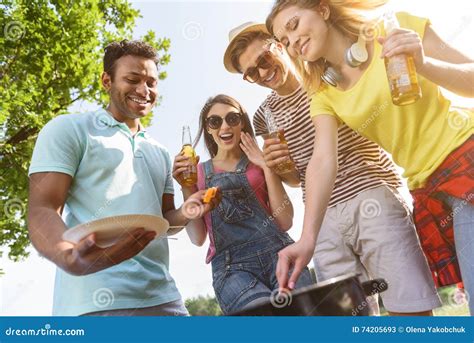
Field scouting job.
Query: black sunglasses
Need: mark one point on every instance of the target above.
(232, 119)
(265, 61)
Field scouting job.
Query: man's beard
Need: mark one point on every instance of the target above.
(121, 103)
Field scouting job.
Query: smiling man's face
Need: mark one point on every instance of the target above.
(274, 77)
(133, 88)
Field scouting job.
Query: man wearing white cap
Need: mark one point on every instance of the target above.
(351, 239)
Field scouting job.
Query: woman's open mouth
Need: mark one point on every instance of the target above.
(226, 137)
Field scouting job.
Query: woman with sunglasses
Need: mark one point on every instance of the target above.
(247, 228)
(432, 140)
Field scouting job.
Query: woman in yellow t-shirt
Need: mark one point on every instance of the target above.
(430, 139)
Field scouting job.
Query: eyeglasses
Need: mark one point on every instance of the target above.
(264, 61)
(232, 119)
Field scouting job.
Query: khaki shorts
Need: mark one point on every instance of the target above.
(373, 234)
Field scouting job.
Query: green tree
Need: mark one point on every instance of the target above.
(50, 57)
(203, 306)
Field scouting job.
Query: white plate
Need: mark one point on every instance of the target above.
(109, 230)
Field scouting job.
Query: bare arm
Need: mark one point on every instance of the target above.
(447, 66)
(435, 59)
(322, 168)
(193, 209)
(196, 228)
(189, 215)
(174, 216)
(47, 196)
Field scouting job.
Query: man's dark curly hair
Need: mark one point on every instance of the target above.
(115, 50)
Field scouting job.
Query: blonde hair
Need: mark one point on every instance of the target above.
(345, 15)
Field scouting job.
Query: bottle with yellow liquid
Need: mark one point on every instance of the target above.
(188, 177)
(401, 71)
(274, 132)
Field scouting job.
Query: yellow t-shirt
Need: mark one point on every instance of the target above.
(419, 136)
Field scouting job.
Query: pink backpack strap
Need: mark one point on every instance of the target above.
(201, 177)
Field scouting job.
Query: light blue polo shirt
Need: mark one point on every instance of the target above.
(113, 173)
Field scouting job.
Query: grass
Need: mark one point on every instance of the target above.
(453, 303)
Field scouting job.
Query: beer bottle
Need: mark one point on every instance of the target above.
(275, 132)
(188, 177)
(401, 71)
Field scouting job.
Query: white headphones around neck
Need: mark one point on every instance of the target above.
(357, 53)
(354, 57)
(331, 76)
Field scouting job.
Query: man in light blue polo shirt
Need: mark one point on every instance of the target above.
(101, 164)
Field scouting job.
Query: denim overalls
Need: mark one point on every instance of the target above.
(246, 240)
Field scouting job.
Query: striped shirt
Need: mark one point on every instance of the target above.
(362, 164)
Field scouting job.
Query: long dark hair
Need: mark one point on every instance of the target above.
(211, 146)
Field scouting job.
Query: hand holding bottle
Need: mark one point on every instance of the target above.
(400, 48)
(181, 165)
(283, 165)
(185, 164)
(403, 41)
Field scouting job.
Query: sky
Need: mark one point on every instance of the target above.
(199, 35)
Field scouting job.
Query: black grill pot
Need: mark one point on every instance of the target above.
(341, 296)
